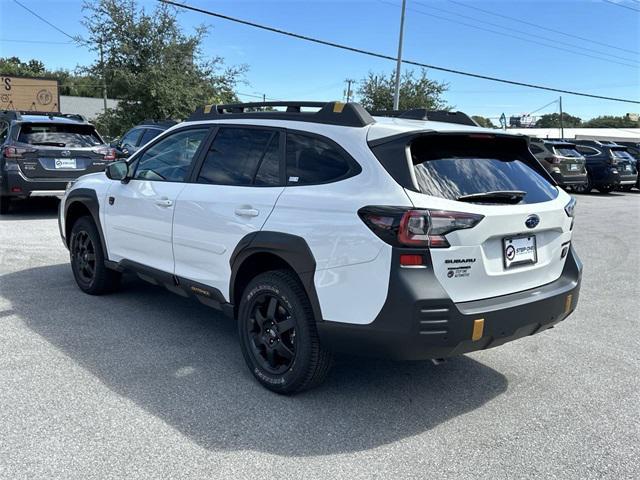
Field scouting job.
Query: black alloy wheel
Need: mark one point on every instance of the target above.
(84, 255)
(273, 334)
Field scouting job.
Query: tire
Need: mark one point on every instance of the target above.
(87, 259)
(605, 189)
(278, 334)
(5, 204)
(586, 188)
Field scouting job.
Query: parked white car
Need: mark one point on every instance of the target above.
(334, 231)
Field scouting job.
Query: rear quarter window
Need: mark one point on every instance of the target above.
(454, 166)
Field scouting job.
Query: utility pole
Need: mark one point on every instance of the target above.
(264, 97)
(396, 95)
(104, 77)
(561, 122)
(349, 82)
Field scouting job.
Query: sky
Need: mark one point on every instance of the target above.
(446, 33)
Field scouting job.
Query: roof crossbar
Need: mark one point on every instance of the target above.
(331, 113)
(445, 116)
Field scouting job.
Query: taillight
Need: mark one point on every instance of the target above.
(419, 228)
(613, 160)
(553, 159)
(17, 152)
(570, 210)
(108, 153)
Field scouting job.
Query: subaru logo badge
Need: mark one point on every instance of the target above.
(532, 221)
(65, 153)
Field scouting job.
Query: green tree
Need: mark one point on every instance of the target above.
(150, 65)
(552, 120)
(610, 121)
(483, 121)
(376, 91)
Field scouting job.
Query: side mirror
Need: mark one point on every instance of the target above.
(117, 171)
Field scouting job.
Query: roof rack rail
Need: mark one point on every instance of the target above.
(17, 115)
(330, 113)
(445, 116)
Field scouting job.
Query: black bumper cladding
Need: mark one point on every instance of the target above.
(419, 321)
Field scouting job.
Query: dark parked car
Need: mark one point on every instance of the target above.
(139, 136)
(634, 150)
(609, 166)
(561, 159)
(42, 152)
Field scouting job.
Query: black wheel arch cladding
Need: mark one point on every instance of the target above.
(89, 200)
(291, 249)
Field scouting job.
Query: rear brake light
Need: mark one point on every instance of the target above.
(419, 228)
(17, 152)
(613, 160)
(553, 159)
(108, 153)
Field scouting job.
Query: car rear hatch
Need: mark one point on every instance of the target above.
(523, 235)
(60, 150)
(568, 160)
(625, 162)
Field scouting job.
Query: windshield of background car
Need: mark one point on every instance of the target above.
(59, 135)
(451, 167)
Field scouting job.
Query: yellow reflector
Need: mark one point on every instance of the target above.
(207, 108)
(338, 107)
(567, 303)
(478, 327)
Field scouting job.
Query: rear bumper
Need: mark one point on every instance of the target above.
(15, 184)
(569, 180)
(419, 321)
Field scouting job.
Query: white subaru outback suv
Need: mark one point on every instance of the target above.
(335, 231)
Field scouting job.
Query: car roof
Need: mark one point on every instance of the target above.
(391, 126)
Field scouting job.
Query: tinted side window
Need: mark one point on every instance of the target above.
(148, 135)
(169, 159)
(587, 151)
(311, 160)
(237, 153)
(131, 137)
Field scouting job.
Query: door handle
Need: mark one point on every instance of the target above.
(247, 212)
(164, 202)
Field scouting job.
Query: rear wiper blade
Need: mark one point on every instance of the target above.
(49, 144)
(498, 196)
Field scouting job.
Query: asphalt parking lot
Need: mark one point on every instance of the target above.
(146, 384)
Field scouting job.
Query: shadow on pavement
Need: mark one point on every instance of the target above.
(32, 209)
(181, 362)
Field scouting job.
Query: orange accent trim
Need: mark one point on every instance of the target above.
(478, 328)
(338, 107)
(567, 303)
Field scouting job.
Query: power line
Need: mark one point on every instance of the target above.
(621, 5)
(15, 40)
(389, 57)
(45, 21)
(525, 39)
(560, 32)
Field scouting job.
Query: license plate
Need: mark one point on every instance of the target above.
(519, 250)
(627, 168)
(574, 166)
(65, 163)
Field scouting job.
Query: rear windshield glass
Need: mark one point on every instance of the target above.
(566, 152)
(621, 154)
(456, 166)
(59, 135)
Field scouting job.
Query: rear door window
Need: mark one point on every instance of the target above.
(59, 135)
(243, 156)
(454, 167)
(312, 160)
(587, 151)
